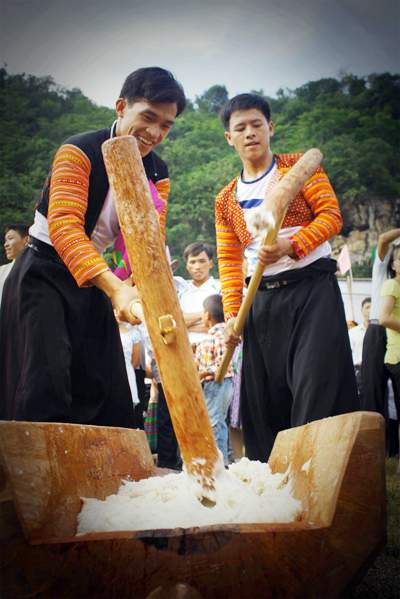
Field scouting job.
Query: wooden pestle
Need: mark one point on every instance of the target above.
(164, 320)
(276, 203)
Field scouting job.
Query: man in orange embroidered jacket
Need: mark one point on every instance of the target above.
(297, 363)
(61, 357)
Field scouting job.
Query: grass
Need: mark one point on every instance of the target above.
(382, 580)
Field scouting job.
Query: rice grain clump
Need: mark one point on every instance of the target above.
(245, 493)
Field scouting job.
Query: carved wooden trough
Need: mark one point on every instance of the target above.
(337, 465)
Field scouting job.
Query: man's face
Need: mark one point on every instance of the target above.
(146, 121)
(365, 310)
(14, 243)
(199, 267)
(249, 133)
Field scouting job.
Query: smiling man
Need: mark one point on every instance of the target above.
(297, 363)
(62, 359)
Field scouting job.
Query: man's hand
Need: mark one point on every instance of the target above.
(122, 296)
(268, 254)
(126, 305)
(231, 338)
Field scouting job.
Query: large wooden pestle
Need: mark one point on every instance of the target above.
(164, 320)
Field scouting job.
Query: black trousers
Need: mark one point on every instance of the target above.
(374, 375)
(394, 372)
(143, 395)
(61, 357)
(167, 446)
(297, 363)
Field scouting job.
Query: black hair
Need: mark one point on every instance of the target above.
(366, 300)
(195, 248)
(213, 305)
(154, 85)
(390, 270)
(22, 229)
(244, 102)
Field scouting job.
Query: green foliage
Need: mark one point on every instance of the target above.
(353, 120)
(213, 99)
(362, 271)
(36, 116)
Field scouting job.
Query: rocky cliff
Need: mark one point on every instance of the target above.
(364, 221)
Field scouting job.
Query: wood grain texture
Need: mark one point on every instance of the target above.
(337, 465)
(153, 277)
(51, 466)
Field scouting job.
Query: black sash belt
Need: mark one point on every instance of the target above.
(320, 267)
(44, 250)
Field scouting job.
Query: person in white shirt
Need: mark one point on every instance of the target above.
(15, 239)
(199, 262)
(356, 335)
(374, 375)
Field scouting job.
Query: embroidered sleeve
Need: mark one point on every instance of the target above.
(230, 260)
(327, 221)
(66, 215)
(163, 188)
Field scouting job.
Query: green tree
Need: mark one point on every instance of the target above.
(213, 99)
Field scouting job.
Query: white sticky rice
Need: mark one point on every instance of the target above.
(247, 492)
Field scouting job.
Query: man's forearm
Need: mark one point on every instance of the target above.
(107, 282)
(192, 318)
(123, 297)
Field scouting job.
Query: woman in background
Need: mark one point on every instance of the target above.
(390, 318)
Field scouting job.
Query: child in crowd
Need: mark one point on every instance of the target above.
(208, 356)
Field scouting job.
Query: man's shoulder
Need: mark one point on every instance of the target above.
(213, 284)
(155, 167)
(89, 140)
(5, 268)
(227, 191)
(210, 287)
(287, 160)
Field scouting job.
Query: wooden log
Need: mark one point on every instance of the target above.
(337, 466)
(271, 214)
(49, 467)
(163, 316)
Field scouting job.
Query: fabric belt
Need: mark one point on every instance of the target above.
(265, 285)
(320, 267)
(374, 321)
(44, 250)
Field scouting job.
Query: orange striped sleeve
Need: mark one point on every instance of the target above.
(66, 215)
(327, 222)
(163, 188)
(230, 259)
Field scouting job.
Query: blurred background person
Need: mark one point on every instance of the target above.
(390, 319)
(199, 262)
(374, 375)
(15, 239)
(356, 335)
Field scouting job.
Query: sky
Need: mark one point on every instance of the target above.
(243, 44)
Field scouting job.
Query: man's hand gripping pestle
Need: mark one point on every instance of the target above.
(269, 216)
